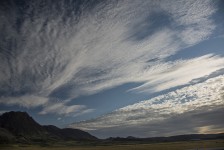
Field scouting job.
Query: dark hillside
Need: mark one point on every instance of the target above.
(69, 134)
(20, 127)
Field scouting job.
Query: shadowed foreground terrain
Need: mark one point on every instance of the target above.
(18, 131)
(186, 145)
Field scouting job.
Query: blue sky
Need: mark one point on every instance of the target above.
(115, 68)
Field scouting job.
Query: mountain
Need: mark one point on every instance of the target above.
(21, 124)
(188, 137)
(6, 136)
(68, 133)
(20, 127)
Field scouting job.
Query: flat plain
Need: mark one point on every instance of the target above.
(185, 145)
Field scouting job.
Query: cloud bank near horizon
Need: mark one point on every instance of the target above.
(188, 104)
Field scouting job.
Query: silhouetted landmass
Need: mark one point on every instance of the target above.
(68, 133)
(20, 127)
(6, 136)
(188, 137)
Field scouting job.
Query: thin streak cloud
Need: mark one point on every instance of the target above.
(66, 50)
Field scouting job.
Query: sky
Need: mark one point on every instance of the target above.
(141, 68)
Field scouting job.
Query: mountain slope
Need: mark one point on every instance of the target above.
(6, 136)
(187, 137)
(21, 125)
(25, 129)
(69, 133)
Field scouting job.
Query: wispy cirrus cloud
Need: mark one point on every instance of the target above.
(60, 51)
(62, 108)
(181, 72)
(27, 101)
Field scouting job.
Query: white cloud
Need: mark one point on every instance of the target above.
(24, 101)
(193, 17)
(85, 111)
(61, 108)
(96, 50)
(199, 97)
(209, 129)
(180, 72)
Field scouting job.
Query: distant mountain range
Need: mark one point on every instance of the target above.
(20, 127)
(187, 137)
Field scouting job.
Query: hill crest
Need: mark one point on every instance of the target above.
(21, 127)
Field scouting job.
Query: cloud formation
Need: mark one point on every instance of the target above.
(181, 72)
(64, 50)
(62, 109)
(27, 101)
(187, 102)
(189, 123)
